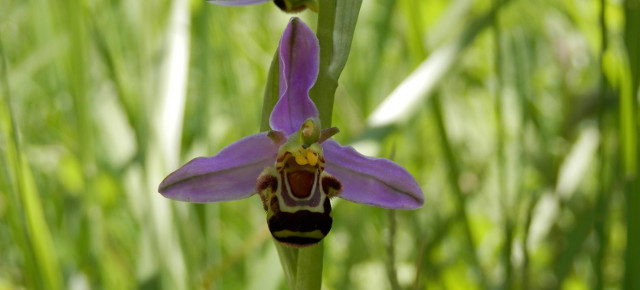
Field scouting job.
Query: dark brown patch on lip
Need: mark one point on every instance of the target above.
(263, 183)
(331, 185)
(301, 183)
(302, 221)
(267, 181)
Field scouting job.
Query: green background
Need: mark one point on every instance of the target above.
(525, 146)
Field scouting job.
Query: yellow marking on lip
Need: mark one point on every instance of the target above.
(306, 156)
(301, 160)
(312, 158)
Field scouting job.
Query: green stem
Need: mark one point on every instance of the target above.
(336, 25)
(302, 266)
(309, 267)
(288, 259)
(392, 273)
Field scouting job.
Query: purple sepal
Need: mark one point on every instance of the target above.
(229, 175)
(298, 53)
(372, 181)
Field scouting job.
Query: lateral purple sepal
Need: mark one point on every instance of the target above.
(229, 175)
(372, 181)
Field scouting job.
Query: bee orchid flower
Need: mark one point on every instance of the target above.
(295, 168)
(290, 6)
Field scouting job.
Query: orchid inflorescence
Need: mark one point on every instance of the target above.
(295, 168)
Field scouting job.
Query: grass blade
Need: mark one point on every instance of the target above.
(36, 230)
(629, 135)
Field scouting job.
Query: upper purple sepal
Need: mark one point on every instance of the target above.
(372, 181)
(229, 175)
(298, 53)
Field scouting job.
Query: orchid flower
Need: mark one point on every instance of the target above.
(290, 6)
(295, 167)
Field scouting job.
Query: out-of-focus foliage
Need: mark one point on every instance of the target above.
(526, 147)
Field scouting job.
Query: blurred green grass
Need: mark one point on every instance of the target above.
(526, 149)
